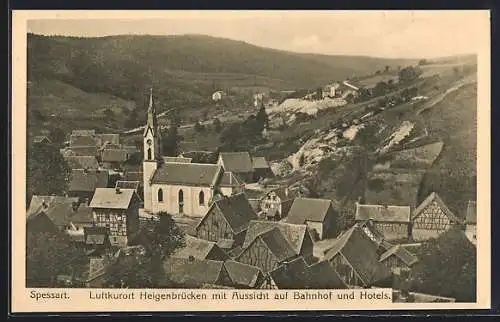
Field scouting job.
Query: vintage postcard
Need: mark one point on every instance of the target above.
(250, 160)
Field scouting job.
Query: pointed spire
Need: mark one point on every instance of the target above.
(151, 105)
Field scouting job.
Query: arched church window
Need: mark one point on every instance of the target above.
(149, 154)
(181, 197)
(160, 195)
(201, 198)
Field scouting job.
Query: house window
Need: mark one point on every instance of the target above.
(149, 154)
(201, 198)
(160, 195)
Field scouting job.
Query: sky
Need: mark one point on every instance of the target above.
(391, 34)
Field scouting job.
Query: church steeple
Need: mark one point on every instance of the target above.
(152, 136)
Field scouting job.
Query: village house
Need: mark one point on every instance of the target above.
(82, 162)
(244, 276)
(318, 214)
(83, 183)
(392, 221)
(432, 218)
(128, 185)
(297, 236)
(375, 235)
(113, 158)
(41, 139)
(398, 257)
(355, 258)
(276, 203)
(117, 210)
(226, 219)
(194, 273)
(96, 240)
(83, 150)
(218, 95)
(297, 274)
(200, 249)
(261, 169)
(470, 222)
(80, 220)
(267, 251)
(239, 163)
(57, 209)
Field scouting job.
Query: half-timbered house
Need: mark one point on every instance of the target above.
(355, 258)
(392, 221)
(432, 218)
(227, 218)
(398, 257)
(276, 204)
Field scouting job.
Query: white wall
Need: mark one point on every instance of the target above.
(170, 202)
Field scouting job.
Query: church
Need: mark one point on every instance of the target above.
(178, 187)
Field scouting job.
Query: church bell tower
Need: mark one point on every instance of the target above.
(152, 151)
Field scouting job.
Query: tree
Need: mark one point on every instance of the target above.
(57, 135)
(409, 74)
(380, 89)
(47, 171)
(262, 118)
(170, 141)
(129, 271)
(447, 267)
(217, 125)
(387, 69)
(423, 62)
(49, 255)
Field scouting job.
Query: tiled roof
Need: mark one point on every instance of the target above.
(192, 272)
(58, 209)
(84, 150)
(87, 180)
(260, 163)
(401, 253)
(95, 235)
(133, 176)
(308, 209)
(127, 184)
(82, 162)
(114, 155)
(177, 159)
(40, 139)
(229, 179)
(242, 274)
(186, 173)
(225, 243)
(110, 198)
(196, 247)
(361, 252)
(277, 244)
(434, 197)
(83, 215)
(380, 213)
(111, 138)
(237, 161)
(236, 210)
(83, 140)
(294, 234)
(470, 217)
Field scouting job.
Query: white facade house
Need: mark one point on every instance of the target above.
(217, 96)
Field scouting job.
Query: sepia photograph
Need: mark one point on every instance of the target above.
(252, 151)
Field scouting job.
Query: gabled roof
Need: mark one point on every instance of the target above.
(114, 155)
(40, 139)
(193, 272)
(87, 180)
(308, 209)
(294, 234)
(82, 162)
(84, 150)
(95, 235)
(83, 140)
(58, 209)
(131, 149)
(110, 198)
(434, 197)
(361, 252)
(277, 244)
(236, 161)
(177, 159)
(470, 217)
(127, 184)
(196, 247)
(401, 253)
(242, 274)
(260, 163)
(83, 215)
(236, 210)
(198, 174)
(383, 213)
(229, 179)
(133, 176)
(111, 138)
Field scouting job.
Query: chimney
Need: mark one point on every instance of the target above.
(191, 258)
(118, 191)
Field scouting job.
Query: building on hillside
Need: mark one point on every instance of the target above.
(297, 274)
(261, 169)
(318, 214)
(82, 162)
(84, 150)
(226, 219)
(178, 188)
(432, 218)
(79, 220)
(276, 203)
(239, 163)
(41, 139)
(194, 273)
(267, 251)
(258, 99)
(392, 221)
(355, 258)
(117, 210)
(298, 236)
(230, 184)
(111, 138)
(244, 276)
(57, 209)
(200, 249)
(470, 222)
(84, 182)
(84, 140)
(398, 257)
(217, 96)
(113, 158)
